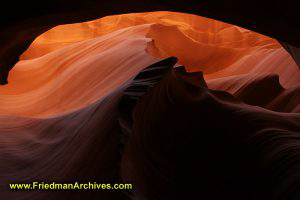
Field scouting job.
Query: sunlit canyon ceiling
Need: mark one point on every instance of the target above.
(157, 99)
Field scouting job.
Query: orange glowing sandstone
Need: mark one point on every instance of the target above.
(74, 65)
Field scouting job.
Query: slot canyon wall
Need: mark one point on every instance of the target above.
(26, 21)
(157, 99)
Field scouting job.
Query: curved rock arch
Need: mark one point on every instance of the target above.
(277, 19)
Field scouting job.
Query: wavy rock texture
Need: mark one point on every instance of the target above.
(22, 22)
(188, 141)
(201, 44)
(60, 121)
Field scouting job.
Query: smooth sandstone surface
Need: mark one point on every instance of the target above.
(59, 111)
